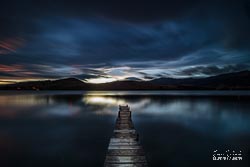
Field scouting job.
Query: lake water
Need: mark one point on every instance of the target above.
(176, 128)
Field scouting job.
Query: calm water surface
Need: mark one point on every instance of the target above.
(177, 128)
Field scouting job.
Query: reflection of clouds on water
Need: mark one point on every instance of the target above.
(202, 116)
(107, 111)
(179, 108)
(102, 105)
(218, 115)
(109, 104)
(138, 106)
(25, 100)
(60, 125)
(103, 100)
(61, 111)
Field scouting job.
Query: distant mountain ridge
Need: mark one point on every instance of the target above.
(240, 78)
(229, 81)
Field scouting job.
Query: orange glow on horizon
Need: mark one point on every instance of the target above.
(13, 81)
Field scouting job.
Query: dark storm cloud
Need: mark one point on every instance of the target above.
(17, 17)
(85, 38)
(95, 41)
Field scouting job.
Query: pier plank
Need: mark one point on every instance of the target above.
(124, 148)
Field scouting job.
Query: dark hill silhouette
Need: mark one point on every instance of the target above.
(224, 81)
(124, 85)
(61, 84)
(230, 81)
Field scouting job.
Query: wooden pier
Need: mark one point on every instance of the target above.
(124, 149)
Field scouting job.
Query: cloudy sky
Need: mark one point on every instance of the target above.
(100, 41)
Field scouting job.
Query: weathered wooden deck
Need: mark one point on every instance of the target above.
(124, 149)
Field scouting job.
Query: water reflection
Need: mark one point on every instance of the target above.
(230, 114)
(69, 123)
(99, 100)
(23, 100)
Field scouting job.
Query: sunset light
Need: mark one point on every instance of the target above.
(100, 80)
